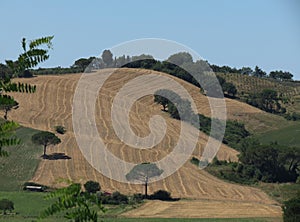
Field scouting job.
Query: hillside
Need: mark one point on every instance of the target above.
(245, 83)
(249, 84)
(52, 105)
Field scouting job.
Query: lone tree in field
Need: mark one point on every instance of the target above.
(6, 205)
(164, 97)
(143, 172)
(45, 138)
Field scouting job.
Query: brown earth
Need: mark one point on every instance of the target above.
(51, 105)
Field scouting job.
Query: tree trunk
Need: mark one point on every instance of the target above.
(146, 190)
(5, 114)
(45, 146)
(146, 187)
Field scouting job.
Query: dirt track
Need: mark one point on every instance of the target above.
(52, 105)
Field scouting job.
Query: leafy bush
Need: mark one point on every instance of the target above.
(292, 116)
(6, 205)
(291, 210)
(137, 198)
(60, 129)
(115, 199)
(92, 186)
(161, 195)
(195, 161)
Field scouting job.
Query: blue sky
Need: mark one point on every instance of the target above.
(232, 32)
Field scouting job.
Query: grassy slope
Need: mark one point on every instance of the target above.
(288, 135)
(22, 162)
(28, 205)
(248, 84)
(280, 192)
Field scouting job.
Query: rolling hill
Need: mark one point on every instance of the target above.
(51, 105)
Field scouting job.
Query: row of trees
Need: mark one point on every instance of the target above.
(181, 58)
(180, 109)
(267, 100)
(257, 72)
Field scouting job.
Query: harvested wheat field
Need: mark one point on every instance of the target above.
(203, 209)
(51, 105)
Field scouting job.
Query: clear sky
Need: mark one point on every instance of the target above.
(224, 32)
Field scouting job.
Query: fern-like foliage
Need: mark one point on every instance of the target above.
(6, 136)
(44, 40)
(76, 204)
(17, 87)
(33, 56)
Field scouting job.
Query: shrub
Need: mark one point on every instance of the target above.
(118, 198)
(137, 198)
(115, 199)
(291, 210)
(161, 195)
(92, 186)
(195, 161)
(6, 205)
(60, 129)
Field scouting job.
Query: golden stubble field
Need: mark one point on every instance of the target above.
(51, 105)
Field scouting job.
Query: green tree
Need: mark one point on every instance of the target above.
(7, 103)
(162, 100)
(107, 57)
(269, 99)
(258, 72)
(6, 205)
(45, 138)
(246, 71)
(180, 58)
(229, 88)
(161, 195)
(82, 63)
(291, 210)
(142, 57)
(281, 75)
(144, 172)
(7, 137)
(92, 186)
(32, 55)
(60, 129)
(291, 157)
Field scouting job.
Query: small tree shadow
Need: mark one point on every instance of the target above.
(57, 156)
